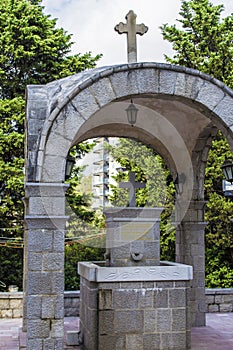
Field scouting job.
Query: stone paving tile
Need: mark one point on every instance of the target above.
(9, 334)
(217, 335)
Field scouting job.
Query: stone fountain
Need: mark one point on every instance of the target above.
(134, 301)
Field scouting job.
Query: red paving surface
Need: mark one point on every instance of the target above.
(217, 335)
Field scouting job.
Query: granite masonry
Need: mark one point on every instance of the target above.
(135, 301)
(131, 308)
(11, 304)
(181, 111)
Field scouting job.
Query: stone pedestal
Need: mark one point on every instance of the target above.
(135, 308)
(133, 236)
(133, 301)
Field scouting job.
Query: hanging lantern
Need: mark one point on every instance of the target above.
(132, 112)
(70, 161)
(227, 169)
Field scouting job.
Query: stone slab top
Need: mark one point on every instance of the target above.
(167, 271)
(11, 295)
(133, 213)
(220, 291)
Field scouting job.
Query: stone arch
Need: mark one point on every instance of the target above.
(179, 109)
(72, 101)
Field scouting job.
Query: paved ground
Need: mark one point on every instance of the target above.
(9, 333)
(217, 335)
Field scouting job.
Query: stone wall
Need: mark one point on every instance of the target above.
(218, 300)
(72, 303)
(137, 308)
(11, 304)
(127, 311)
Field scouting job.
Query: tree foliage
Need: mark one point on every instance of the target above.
(78, 252)
(83, 223)
(149, 167)
(203, 40)
(32, 51)
(219, 242)
(11, 162)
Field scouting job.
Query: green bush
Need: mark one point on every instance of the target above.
(73, 254)
(220, 278)
(11, 267)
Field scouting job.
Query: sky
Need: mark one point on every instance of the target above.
(92, 24)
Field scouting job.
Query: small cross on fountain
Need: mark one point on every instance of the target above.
(132, 185)
(131, 29)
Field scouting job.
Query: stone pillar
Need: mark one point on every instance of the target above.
(133, 236)
(44, 296)
(25, 275)
(190, 249)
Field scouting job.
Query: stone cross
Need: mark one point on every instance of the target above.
(131, 29)
(132, 185)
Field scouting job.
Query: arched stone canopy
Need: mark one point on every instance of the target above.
(180, 110)
(170, 99)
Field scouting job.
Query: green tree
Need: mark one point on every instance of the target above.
(83, 237)
(204, 40)
(219, 211)
(219, 242)
(32, 51)
(78, 252)
(150, 168)
(147, 166)
(79, 203)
